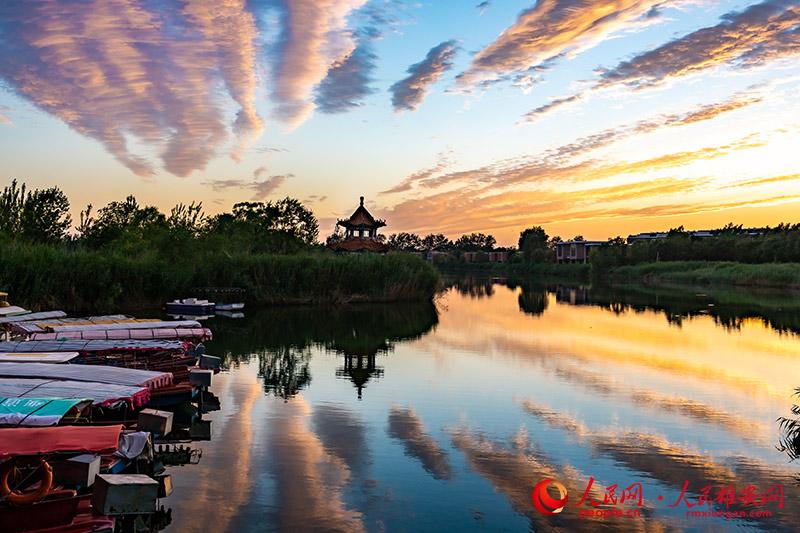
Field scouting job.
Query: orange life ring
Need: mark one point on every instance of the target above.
(25, 498)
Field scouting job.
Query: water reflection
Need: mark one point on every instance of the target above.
(730, 308)
(424, 419)
(282, 339)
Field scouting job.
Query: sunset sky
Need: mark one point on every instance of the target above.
(594, 117)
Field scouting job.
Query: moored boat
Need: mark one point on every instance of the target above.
(190, 306)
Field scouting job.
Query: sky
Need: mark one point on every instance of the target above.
(595, 117)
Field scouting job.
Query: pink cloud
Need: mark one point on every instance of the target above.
(314, 37)
(115, 71)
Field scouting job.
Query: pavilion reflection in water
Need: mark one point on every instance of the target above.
(284, 341)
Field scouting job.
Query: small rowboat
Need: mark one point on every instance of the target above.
(190, 306)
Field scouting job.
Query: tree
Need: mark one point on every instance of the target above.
(187, 218)
(120, 220)
(41, 215)
(287, 216)
(405, 242)
(475, 242)
(436, 241)
(533, 245)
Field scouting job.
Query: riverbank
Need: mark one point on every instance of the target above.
(544, 271)
(780, 275)
(47, 277)
(771, 275)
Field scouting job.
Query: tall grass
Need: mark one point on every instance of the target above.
(55, 276)
(785, 275)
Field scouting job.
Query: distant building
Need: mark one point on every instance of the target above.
(498, 257)
(575, 251)
(642, 237)
(360, 232)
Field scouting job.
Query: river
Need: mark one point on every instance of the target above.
(443, 417)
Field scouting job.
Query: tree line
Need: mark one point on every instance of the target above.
(42, 216)
(732, 242)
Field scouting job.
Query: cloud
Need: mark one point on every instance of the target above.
(700, 113)
(406, 426)
(762, 33)
(553, 29)
(231, 30)
(408, 93)
(259, 171)
(261, 188)
(552, 105)
(348, 80)
(483, 6)
(314, 36)
(421, 175)
(4, 119)
(114, 71)
(310, 482)
(504, 195)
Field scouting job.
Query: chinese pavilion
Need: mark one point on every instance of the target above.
(360, 232)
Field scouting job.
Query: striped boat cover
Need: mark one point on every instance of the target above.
(195, 334)
(112, 375)
(154, 324)
(36, 411)
(102, 394)
(91, 346)
(39, 357)
(38, 326)
(13, 310)
(32, 316)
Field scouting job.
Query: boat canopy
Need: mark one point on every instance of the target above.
(155, 324)
(38, 411)
(103, 394)
(91, 346)
(112, 375)
(32, 316)
(13, 310)
(196, 334)
(38, 357)
(37, 441)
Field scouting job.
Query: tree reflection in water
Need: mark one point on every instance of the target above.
(282, 340)
(285, 371)
(728, 307)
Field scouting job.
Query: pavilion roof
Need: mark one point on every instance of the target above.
(361, 217)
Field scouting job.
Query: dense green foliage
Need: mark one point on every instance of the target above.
(780, 244)
(704, 272)
(34, 216)
(48, 276)
(129, 255)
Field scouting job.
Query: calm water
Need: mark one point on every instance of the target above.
(431, 418)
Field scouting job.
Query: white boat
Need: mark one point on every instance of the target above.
(229, 307)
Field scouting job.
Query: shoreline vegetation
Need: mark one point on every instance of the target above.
(129, 256)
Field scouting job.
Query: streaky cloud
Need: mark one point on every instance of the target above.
(762, 33)
(443, 161)
(408, 93)
(551, 30)
(314, 37)
(406, 426)
(348, 80)
(115, 71)
(261, 188)
(232, 31)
